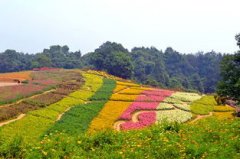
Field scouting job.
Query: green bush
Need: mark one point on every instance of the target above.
(204, 105)
(209, 138)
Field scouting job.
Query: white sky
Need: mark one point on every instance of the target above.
(186, 25)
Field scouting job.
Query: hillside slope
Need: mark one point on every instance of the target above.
(87, 102)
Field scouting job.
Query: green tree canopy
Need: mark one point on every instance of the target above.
(230, 73)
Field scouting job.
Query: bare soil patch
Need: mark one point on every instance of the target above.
(10, 121)
(4, 84)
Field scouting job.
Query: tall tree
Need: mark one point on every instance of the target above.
(113, 58)
(230, 72)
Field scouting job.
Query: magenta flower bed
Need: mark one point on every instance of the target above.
(150, 102)
(144, 119)
(127, 115)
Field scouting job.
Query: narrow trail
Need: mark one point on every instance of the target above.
(10, 121)
(60, 115)
(5, 84)
(117, 125)
(19, 101)
(201, 117)
(117, 92)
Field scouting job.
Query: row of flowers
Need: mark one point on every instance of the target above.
(108, 115)
(40, 82)
(38, 121)
(186, 97)
(175, 115)
(144, 119)
(112, 109)
(139, 105)
(173, 107)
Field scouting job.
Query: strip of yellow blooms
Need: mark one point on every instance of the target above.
(112, 110)
(119, 88)
(108, 115)
(131, 91)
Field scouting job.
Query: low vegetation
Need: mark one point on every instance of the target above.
(209, 138)
(204, 105)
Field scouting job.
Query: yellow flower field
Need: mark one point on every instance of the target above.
(119, 88)
(131, 91)
(223, 115)
(223, 108)
(127, 84)
(108, 115)
(123, 97)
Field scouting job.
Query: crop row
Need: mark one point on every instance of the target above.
(223, 108)
(204, 105)
(186, 97)
(39, 82)
(144, 119)
(35, 123)
(175, 115)
(139, 105)
(37, 102)
(131, 91)
(78, 118)
(108, 115)
(173, 107)
(116, 105)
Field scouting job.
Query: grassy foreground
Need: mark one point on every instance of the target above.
(208, 138)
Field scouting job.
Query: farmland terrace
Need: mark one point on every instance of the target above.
(65, 113)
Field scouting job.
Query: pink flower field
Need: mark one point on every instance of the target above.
(144, 119)
(148, 100)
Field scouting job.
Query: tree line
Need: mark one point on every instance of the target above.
(147, 65)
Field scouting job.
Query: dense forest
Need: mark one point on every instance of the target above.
(171, 69)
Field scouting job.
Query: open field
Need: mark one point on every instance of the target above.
(90, 113)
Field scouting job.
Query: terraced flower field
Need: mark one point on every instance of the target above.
(86, 102)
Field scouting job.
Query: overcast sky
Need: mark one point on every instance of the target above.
(186, 25)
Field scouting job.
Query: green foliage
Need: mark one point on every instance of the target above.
(113, 58)
(41, 60)
(209, 138)
(105, 91)
(237, 37)
(78, 118)
(204, 105)
(230, 71)
(145, 65)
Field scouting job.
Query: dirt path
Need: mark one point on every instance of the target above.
(10, 121)
(201, 117)
(117, 92)
(19, 101)
(4, 84)
(60, 115)
(117, 124)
